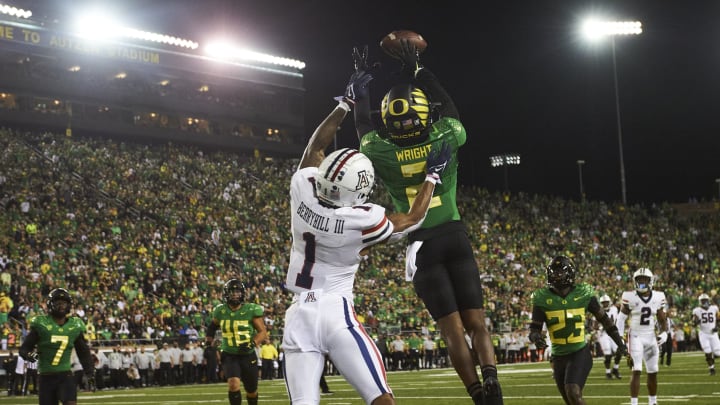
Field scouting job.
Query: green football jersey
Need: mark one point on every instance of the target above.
(237, 327)
(56, 342)
(565, 317)
(402, 169)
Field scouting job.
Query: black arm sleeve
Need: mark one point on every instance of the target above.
(83, 352)
(538, 318)
(430, 83)
(29, 343)
(363, 122)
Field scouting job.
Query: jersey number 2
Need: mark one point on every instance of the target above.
(411, 192)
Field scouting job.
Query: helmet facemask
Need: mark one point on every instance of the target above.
(704, 301)
(345, 178)
(643, 278)
(234, 293)
(59, 302)
(605, 301)
(561, 273)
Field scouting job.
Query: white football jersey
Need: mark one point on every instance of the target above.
(327, 241)
(643, 311)
(707, 318)
(612, 313)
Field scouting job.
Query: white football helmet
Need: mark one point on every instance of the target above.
(605, 301)
(345, 178)
(704, 301)
(646, 284)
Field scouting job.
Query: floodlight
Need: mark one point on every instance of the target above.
(228, 52)
(505, 160)
(594, 29)
(14, 11)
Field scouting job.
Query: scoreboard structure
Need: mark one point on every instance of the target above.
(52, 79)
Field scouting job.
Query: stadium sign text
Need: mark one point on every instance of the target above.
(49, 39)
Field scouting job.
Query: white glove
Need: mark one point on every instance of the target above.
(662, 338)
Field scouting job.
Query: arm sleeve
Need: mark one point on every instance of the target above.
(29, 343)
(538, 318)
(211, 330)
(83, 352)
(363, 122)
(430, 83)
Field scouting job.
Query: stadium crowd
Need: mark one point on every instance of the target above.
(146, 235)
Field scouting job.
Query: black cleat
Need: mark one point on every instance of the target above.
(608, 376)
(712, 371)
(492, 391)
(616, 373)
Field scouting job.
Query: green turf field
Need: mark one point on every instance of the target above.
(685, 382)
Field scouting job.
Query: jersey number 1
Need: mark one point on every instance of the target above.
(304, 279)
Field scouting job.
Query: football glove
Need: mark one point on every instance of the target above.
(360, 58)
(357, 87)
(31, 357)
(621, 351)
(437, 161)
(410, 57)
(662, 338)
(537, 338)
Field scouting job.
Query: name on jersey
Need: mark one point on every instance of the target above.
(419, 152)
(317, 221)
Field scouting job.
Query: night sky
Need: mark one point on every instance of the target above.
(523, 79)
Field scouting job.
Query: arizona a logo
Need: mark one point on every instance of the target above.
(363, 180)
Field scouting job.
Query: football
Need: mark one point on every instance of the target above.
(391, 42)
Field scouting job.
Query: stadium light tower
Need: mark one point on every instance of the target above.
(580, 164)
(505, 160)
(593, 29)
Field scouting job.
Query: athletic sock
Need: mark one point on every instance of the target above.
(235, 397)
(475, 390)
(489, 371)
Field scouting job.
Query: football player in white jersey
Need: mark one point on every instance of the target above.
(607, 345)
(646, 310)
(333, 227)
(705, 318)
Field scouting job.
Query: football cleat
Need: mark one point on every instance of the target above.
(616, 373)
(492, 391)
(608, 376)
(712, 371)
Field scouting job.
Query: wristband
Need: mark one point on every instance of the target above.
(433, 178)
(344, 102)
